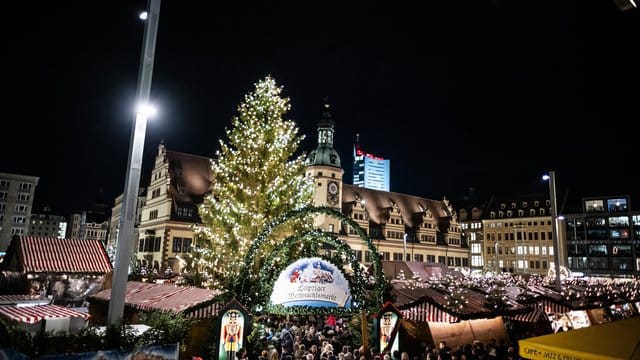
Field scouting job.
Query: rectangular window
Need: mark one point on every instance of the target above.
(177, 244)
(617, 205)
(431, 258)
(186, 245)
(397, 256)
(4, 183)
(25, 186)
(2, 205)
(23, 196)
(476, 248)
(578, 262)
(594, 206)
(155, 193)
(358, 255)
(476, 260)
(3, 194)
(21, 208)
(153, 214)
(19, 220)
(418, 257)
(619, 221)
(17, 231)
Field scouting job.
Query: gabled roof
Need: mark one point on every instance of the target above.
(378, 202)
(37, 254)
(476, 307)
(148, 296)
(192, 173)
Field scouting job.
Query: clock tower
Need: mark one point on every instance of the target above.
(323, 164)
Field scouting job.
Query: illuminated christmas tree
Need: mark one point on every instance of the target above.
(257, 177)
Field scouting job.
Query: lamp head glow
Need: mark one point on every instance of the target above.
(146, 110)
(545, 177)
(143, 15)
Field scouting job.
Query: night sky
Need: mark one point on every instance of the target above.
(458, 94)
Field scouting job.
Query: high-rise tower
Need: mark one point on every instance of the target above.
(370, 171)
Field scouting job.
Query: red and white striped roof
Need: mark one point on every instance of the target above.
(36, 254)
(192, 301)
(428, 312)
(536, 313)
(34, 314)
(553, 307)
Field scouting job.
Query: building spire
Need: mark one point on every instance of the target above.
(326, 114)
(325, 154)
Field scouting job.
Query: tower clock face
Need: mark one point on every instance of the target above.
(333, 188)
(332, 193)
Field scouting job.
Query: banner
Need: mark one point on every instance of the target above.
(311, 282)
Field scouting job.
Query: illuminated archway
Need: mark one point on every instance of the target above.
(243, 292)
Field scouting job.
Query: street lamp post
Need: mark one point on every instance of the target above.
(495, 251)
(132, 182)
(404, 247)
(551, 177)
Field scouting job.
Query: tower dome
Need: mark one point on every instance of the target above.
(325, 154)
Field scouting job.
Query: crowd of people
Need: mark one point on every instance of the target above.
(329, 338)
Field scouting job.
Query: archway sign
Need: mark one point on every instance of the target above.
(311, 282)
(341, 293)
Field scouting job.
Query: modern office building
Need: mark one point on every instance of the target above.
(604, 239)
(16, 200)
(370, 171)
(47, 225)
(518, 236)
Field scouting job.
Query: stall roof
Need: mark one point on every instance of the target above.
(34, 314)
(147, 296)
(37, 254)
(24, 299)
(407, 297)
